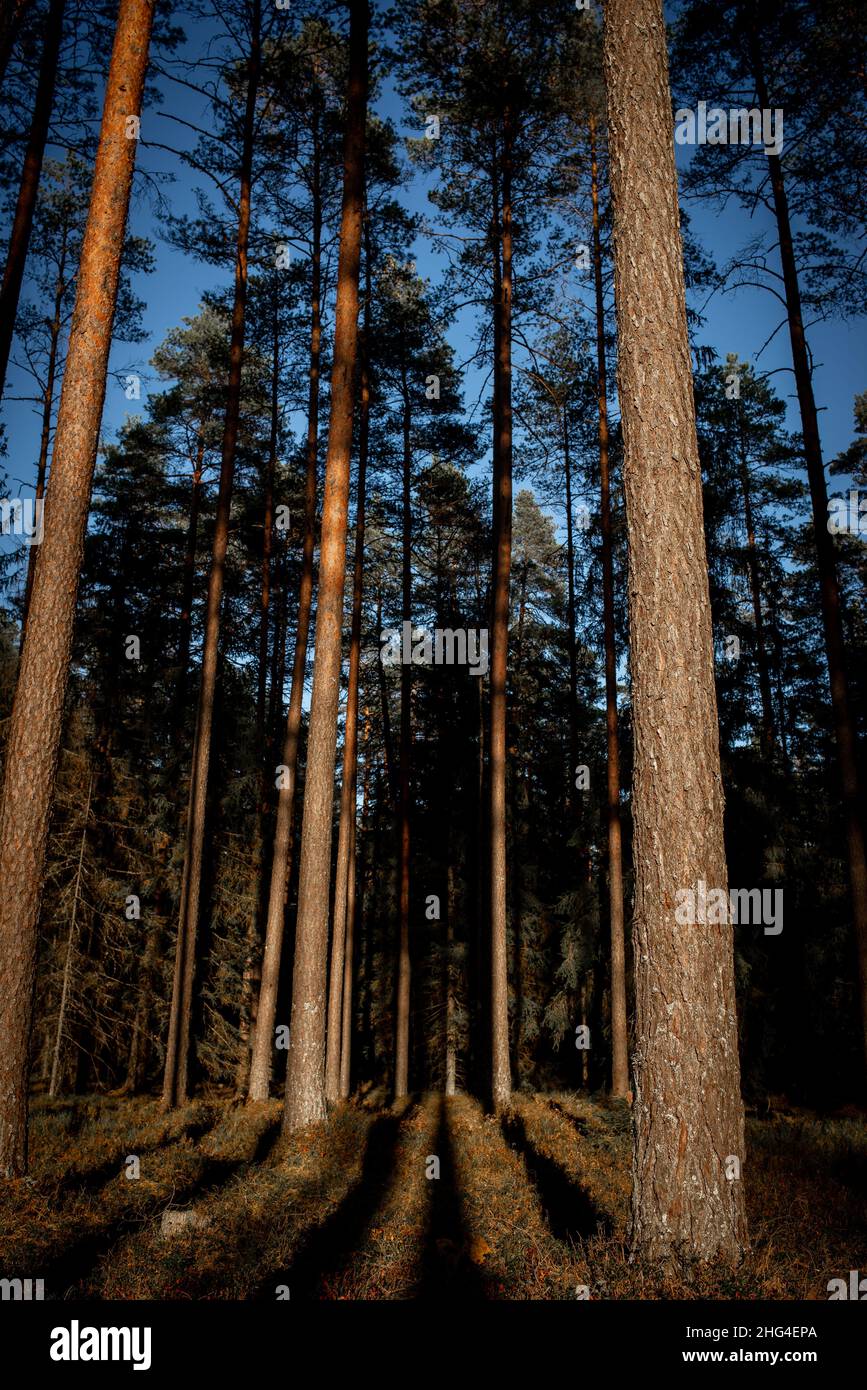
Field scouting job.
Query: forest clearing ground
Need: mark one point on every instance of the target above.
(527, 1206)
(582, 1177)
(505, 1233)
(256, 1226)
(385, 1260)
(806, 1202)
(58, 1236)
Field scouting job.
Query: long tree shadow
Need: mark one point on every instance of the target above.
(447, 1272)
(580, 1126)
(71, 1267)
(569, 1210)
(325, 1247)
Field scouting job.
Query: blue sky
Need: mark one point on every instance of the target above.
(739, 322)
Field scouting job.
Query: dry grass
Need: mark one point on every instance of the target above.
(590, 1156)
(805, 1187)
(529, 1206)
(506, 1237)
(255, 1225)
(59, 1224)
(82, 1141)
(387, 1261)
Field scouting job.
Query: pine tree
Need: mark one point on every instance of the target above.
(34, 736)
(688, 1114)
(305, 1078)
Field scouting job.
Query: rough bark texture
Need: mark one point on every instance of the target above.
(688, 1115)
(501, 1082)
(340, 984)
(305, 1073)
(177, 1049)
(22, 222)
(844, 726)
(281, 861)
(35, 725)
(619, 1048)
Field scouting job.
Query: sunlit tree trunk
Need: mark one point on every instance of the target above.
(35, 725)
(501, 1084)
(340, 984)
(687, 1199)
(281, 859)
(404, 969)
(305, 1073)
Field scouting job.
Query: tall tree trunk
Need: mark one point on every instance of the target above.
(387, 750)
(252, 974)
(619, 1042)
(22, 222)
(281, 859)
(349, 949)
(451, 1049)
(844, 726)
(54, 1083)
(570, 613)
(175, 1081)
(688, 1114)
(35, 725)
(401, 1043)
(47, 409)
(189, 579)
(361, 853)
(268, 526)
(339, 1003)
(305, 1073)
(501, 1083)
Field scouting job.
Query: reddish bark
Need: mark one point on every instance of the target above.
(35, 725)
(305, 1074)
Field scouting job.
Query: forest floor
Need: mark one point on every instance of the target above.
(529, 1206)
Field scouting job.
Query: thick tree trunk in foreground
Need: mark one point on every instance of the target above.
(688, 1115)
(844, 726)
(281, 860)
(178, 1045)
(22, 223)
(619, 1042)
(340, 984)
(35, 725)
(501, 1081)
(305, 1074)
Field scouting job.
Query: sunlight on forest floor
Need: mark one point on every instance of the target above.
(533, 1205)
